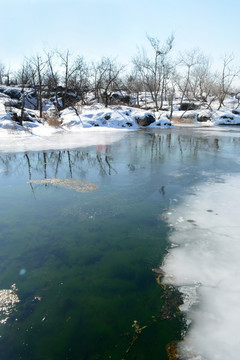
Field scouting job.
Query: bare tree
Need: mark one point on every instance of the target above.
(5, 74)
(69, 69)
(2, 72)
(106, 76)
(134, 85)
(188, 61)
(23, 76)
(80, 79)
(154, 71)
(52, 79)
(200, 78)
(226, 77)
(38, 69)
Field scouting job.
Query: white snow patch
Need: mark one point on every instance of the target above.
(205, 267)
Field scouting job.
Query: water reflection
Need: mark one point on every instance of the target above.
(148, 147)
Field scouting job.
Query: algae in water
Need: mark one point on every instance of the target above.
(71, 184)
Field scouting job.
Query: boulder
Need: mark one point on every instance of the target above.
(15, 117)
(145, 120)
(236, 112)
(188, 106)
(119, 98)
(13, 93)
(227, 117)
(203, 118)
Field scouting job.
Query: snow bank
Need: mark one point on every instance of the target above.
(115, 117)
(226, 118)
(205, 267)
(77, 127)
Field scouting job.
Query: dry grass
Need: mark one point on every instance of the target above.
(52, 119)
(183, 120)
(172, 351)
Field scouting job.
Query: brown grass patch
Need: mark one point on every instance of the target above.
(172, 351)
(183, 120)
(52, 119)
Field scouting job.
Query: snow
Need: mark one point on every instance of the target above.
(205, 267)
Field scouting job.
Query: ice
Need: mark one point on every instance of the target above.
(58, 139)
(205, 266)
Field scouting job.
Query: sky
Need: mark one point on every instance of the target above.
(96, 28)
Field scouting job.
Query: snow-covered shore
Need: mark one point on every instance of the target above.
(97, 116)
(73, 119)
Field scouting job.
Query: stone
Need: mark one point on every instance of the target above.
(187, 106)
(236, 112)
(145, 120)
(226, 117)
(119, 98)
(15, 117)
(13, 93)
(203, 118)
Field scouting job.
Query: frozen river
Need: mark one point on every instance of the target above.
(84, 221)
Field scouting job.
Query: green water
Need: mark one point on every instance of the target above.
(82, 262)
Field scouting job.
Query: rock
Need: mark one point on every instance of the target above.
(28, 116)
(188, 106)
(15, 117)
(145, 120)
(12, 104)
(236, 112)
(126, 99)
(119, 98)
(226, 117)
(203, 118)
(13, 93)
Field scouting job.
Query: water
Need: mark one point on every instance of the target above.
(76, 267)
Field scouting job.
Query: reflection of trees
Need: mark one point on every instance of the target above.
(53, 164)
(105, 165)
(7, 162)
(144, 149)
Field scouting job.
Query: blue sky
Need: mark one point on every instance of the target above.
(95, 28)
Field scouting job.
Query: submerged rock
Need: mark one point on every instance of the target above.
(72, 184)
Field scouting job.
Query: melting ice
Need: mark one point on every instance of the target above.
(205, 265)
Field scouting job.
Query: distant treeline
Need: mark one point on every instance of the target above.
(68, 79)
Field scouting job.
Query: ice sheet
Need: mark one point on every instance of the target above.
(206, 267)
